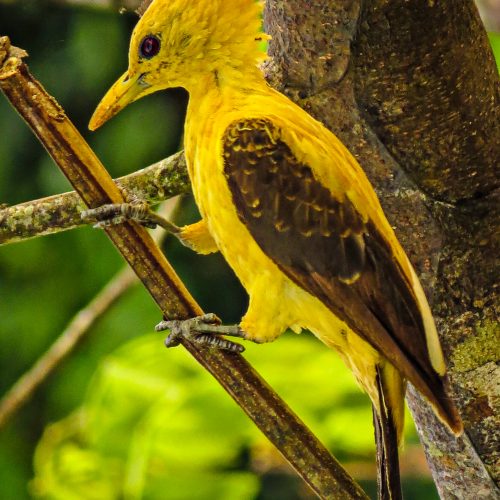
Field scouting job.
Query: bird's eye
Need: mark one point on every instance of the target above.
(150, 46)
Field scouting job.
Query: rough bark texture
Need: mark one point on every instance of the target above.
(412, 89)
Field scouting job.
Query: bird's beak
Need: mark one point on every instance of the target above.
(124, 91)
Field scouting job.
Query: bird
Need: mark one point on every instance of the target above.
(290, 209)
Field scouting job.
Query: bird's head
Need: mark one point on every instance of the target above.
(177, 42)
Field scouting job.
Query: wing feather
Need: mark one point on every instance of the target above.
(323, 244)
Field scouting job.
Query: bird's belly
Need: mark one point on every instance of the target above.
(233, 239)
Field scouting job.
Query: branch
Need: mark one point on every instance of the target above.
(61, 212)
(293, 439)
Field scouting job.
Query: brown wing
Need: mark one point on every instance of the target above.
(292, 216)
(323, 244)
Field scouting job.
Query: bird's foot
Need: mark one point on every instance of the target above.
(203, 330)
(118, 213)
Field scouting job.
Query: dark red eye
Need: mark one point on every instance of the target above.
(149, 47)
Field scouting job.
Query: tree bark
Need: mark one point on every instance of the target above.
(411, 88)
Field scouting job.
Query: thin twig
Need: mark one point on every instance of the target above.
(284, 429)
(81, 324)
(23, 389)
(61, 212)
(116, 5)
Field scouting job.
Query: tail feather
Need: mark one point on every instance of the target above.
(386, 438)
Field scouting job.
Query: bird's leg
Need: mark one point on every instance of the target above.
(204, 330)
(133, 209)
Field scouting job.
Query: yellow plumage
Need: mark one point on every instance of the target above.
(276, 303)
(211, 48)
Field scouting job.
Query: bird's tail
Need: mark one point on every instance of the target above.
(388, 431)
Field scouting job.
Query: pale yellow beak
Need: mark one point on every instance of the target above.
(124, 91)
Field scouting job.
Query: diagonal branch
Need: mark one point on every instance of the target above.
(61, 212)
(294, 440)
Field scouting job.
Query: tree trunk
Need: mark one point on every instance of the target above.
(411, 88)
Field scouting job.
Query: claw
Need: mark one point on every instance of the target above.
(139, 211)
(112, 214)
(203, 330)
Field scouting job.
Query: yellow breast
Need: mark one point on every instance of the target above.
(203, 146)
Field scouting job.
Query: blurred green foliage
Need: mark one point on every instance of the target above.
(495, 44)
(156, 426)
(143, 422)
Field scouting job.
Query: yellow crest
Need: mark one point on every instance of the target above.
(200, 29)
